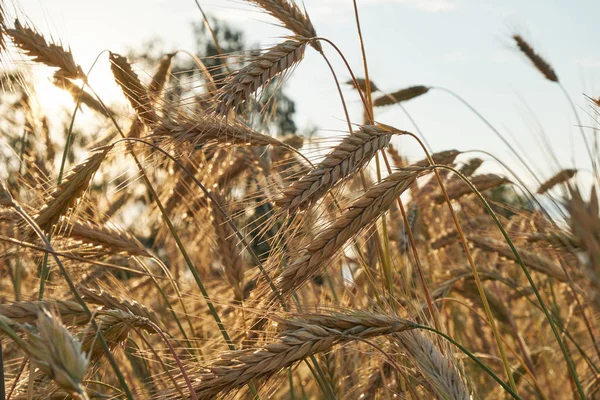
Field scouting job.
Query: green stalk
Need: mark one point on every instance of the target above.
(561, 344)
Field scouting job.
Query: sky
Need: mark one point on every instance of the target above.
(462, 45)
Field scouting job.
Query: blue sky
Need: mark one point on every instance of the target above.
(463, 45)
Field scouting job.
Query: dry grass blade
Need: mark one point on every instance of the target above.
(459, 188)
(292, 17)
(347, 158)
(132, 87)
(34, 45)
(437, 368)
(400, 96)
(71, 188)
(531, 259)
(243, 83)
(536, 60)
(301, 337)
(360, 214)
(561, 177)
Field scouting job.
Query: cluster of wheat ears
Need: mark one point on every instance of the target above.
(275, 267)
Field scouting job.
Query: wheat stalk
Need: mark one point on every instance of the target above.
(34, 45)
(240, 85)
(347, 158)
(535, 59)
(290, 15)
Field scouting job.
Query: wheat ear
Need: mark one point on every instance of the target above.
(481, 182)
(354, 152)
(292, 17)
(531, 259)
(535, 59)
(400, 96)
(106, 237)
(228, 251)
(240, 85)
(438, 369)
(70, 189)
(561, 177)
(301, 337)
(34, 45)
(208, 128)
(132, 87)
(360, 214)
(57, 353)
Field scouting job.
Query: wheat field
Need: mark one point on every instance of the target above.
(182, 251)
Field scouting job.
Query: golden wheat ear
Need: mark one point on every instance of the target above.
(242, 84)
(347, 158)
(538, 62)
(292, 17)
(561, 177)
(361, 84)
(400, 96)
(70, 190)
(132, 87)
(34, 45)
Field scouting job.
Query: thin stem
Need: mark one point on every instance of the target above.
(563, 348)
